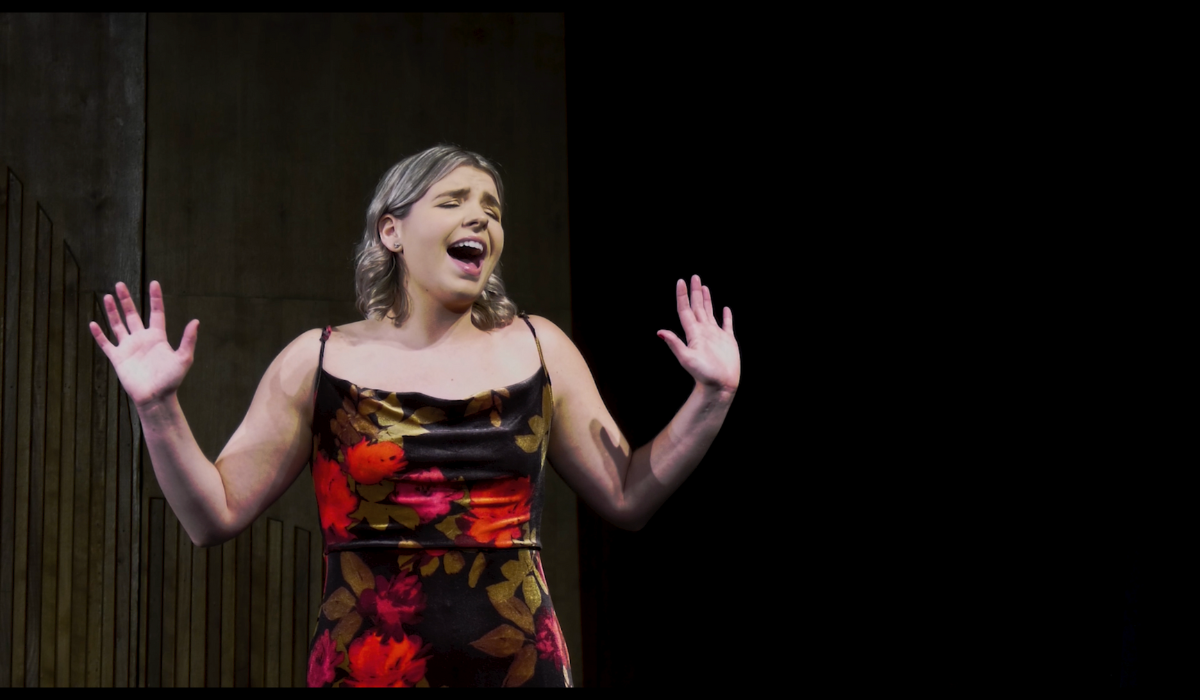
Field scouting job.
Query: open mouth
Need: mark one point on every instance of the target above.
(469, 255)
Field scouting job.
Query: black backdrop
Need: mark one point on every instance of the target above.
(660, 189)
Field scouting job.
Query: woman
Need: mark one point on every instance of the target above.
(429, 506)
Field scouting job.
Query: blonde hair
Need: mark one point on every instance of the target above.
(379, 274)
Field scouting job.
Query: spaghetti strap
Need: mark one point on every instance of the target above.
(321, 359)
(525, 318)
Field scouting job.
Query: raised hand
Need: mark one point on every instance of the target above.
(710, 354)
(148, 367)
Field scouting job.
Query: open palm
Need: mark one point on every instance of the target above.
(148, 367)
(710, 354)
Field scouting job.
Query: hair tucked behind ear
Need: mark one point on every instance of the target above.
(380, 274)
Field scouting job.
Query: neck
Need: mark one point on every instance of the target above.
(430, 324)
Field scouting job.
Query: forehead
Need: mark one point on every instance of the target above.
(465, 177)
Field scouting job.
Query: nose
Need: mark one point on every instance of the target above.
(476, 220)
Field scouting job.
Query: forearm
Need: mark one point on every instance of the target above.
(658, 468)
(191, 483)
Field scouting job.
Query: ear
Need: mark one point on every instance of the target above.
(390, 233)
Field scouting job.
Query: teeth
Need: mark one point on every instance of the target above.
(468, 244)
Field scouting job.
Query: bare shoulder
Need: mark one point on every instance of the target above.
(563, 360)
(296, 365)
(552, 338)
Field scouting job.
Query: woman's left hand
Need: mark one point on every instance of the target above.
(710, 354)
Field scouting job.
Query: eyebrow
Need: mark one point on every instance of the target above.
(463, 192)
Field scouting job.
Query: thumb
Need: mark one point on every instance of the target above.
(677, 346)
(187, 344)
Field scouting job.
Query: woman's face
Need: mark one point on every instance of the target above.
(451, 238)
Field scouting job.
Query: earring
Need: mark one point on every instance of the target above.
(399, 248)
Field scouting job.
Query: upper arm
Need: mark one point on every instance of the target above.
(274, 441)
(587, 448)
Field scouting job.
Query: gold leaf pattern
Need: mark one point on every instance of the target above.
(377, 492)
(505, 640)
(514, 570)
(502, 591)
(404, 559)
(378, 514)
(428, 414)
(346, 627)
(515, 611)
(533, 597)
(477, 567)
(495, 418)
(479, 402)
(356, 573)
(449, 526)
(368, 406)
(454, 561)
(430, 566)
(422, 683)
(522, 667)
(337, 605)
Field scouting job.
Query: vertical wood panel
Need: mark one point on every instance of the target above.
(287, 572)
(258, 603)
(37, 450)
(154, 594)
(72, 328)
(122, 611)
(228, 606)
(170, 594)
(24, 414)
(134, 560)
(212, 634)
(80, 549)
(271, 637)
(111, 485)
(242, 612)
(199, 610)
(183, 611)
(8, 438)
(51, 514)
(95, 536)
(301, 558)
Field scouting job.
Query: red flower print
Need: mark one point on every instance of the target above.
(497, 511)
(372, 462)
(322, 662)
(427, 492)
(393, 603)
(335, 500)
(377, 662)
(550, 644)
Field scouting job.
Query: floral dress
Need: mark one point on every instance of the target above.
(430, 510)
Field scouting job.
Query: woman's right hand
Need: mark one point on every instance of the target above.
(149, 369)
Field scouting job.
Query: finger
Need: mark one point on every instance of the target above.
(697, 298)
(101, 339)
(187, 345)
(158, 318)
(686, 317)
(728, 325)
(114, 319)
(677, 346)
(132, 319)
(708, 310)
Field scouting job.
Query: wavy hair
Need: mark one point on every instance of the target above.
(380, 274)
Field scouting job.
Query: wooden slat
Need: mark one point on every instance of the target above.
(24, 448)
(199, 610)
(258, 603)
(287, 572)
(271, 636)
(8, 438)
(212, 634)
(80, 550)
(95, 538)
(183, 611)
(143, 561)
(112, 482)
(228, 608)
(72, 328)
(51, 515)
(122, 611)
(300, 582)
(134, 595)
(170, 594)
(37, 449)
(241, 675)
(154, 593)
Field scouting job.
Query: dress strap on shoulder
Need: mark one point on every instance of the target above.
(321, 358)
(542, 358)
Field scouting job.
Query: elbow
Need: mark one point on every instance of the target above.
(209, 537)
(628, 517)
